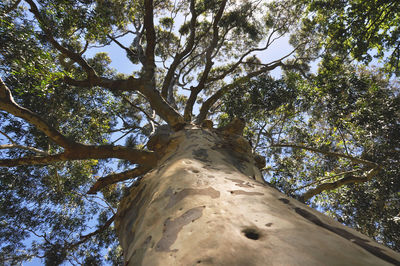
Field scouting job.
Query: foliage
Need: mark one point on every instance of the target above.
(343, 109)
(366, 30)
(69, 107)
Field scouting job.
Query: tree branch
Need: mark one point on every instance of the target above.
(22, 147)
(214, 41)
(328, 153)
(240, 61)
(150, 39)
(85, 238)
(127, 50)
(217, 95)
(76, 57)
(84, 152)
(328, 177)
(12, 7)
(114, 178)
(163, 109)
(8, 104)
(336, 184)
(137, 156)
(8, 137)
(151, 119)
(33, 160)
(178, 57)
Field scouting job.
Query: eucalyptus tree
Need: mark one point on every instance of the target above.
(186, 192)
(367, 31)
(332, 142)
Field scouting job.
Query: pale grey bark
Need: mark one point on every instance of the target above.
(206, 204)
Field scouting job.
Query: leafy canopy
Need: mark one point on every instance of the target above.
(72, 126)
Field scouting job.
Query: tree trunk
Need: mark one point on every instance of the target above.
(205, 204)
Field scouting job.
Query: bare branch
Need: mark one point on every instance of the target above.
(216, 96)
(163, 109)
(81, 152)
(328, 153)
(85, 238)
(84, 152)
(150, 118)
(179, 56)
(350, 179)
(33, 160)
(22, 147)
(260, 132)
(8, 137)
(328, 177)
(70, 54)
(114, 178)
(240, 61)
(214, 41)
(150, 39)
(129, 84)
(8, 104)
(127, 50)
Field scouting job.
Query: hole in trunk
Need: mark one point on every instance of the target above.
(251, 233)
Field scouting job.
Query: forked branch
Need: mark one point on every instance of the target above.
(76, 57)
(217, 95)
(208, 64)
(179, 56)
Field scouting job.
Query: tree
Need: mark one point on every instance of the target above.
(316, 138)
(366, 30)
(189, 193)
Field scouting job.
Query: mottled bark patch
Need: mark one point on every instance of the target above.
(210, 167)
(134, 210)
(242, 192)
(178, 196)
(268, 224)
(140, 253)
(241, 183)
(191, 146)
(347, 235)
(173, 227)
(201, 155)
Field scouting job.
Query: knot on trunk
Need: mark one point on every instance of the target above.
(260, 161)
(207, 124)
(159, 138)
(236, 126)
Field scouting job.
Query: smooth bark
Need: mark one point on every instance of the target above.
(206, 204)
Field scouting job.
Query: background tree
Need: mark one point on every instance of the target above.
(65, 114)
(367, 31)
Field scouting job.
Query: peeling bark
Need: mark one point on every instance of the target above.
(206, 204)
